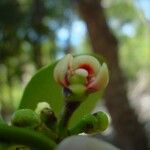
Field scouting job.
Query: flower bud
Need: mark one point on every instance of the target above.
(46, 114)
(102, 121)
(26, 118)
(83, 70)
(84, 143)
(91, 123)
(41, 106)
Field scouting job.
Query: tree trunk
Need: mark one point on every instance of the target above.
(130, 133)
(37, 14)
(37, 56)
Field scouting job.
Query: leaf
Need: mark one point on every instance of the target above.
(42, 87)
(85, 108)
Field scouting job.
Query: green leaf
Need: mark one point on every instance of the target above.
(42, 87)
(86, 107)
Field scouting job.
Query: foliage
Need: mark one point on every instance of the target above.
(132, 31)
(42, 87)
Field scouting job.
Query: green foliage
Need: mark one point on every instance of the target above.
(42, 87)
(132, 30)
(134, 54)
(122, 11)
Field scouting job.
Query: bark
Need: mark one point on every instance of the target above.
(37, 56)
(130, 133)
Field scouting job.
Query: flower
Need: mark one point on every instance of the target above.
(81, 73)
(41, 106)
(79, 142)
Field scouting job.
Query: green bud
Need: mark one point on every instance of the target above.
(102, 121)
(26, 118)
(92, 123)
(86, 125)
(88, 122)
(77, 89)
(99, 125)
(77, 79)
(46, 114)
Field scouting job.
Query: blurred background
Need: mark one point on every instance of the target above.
(34, 33)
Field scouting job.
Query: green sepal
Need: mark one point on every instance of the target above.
(78, 91)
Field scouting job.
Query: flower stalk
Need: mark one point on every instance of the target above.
(92, 123)
(69, 108)
(25, 137)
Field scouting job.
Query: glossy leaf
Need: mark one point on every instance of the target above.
(42, 87)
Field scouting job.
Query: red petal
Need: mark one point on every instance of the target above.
(88, 68)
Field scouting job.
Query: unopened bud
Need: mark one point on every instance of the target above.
(46, 114)
(41, 106)
(26, 118)
(102, 121)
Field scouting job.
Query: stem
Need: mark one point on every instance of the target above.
(48, 132)
(86, 124)
(25, 137)
(70, 107)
